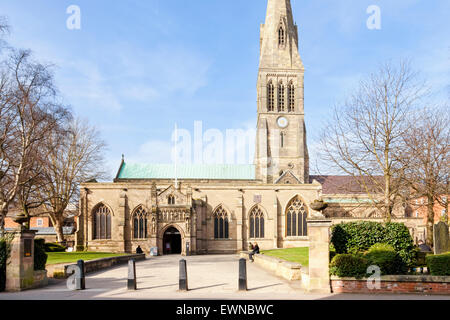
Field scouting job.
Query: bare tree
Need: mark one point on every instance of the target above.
(78, 158)
(30, 116)
(365, 134)
(426, 159)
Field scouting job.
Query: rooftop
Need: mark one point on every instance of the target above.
(141, 171)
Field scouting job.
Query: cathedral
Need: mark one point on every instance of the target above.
(221, 208)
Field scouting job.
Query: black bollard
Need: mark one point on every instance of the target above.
(183, 283)
(80, 280)
(132, 285)
(242, 275)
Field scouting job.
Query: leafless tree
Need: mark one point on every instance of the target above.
(426, 159)
(28, 115)
(78, 158)
(365, 134)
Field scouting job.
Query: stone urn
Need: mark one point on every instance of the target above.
(20, 219)
(319, 205)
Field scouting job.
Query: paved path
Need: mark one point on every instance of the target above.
(209, 277)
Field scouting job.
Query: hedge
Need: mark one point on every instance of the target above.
(40, 257)
(3, 259)
(54, 247)
(439, 265)
(348, 265)
(384, 256)
(358, 237)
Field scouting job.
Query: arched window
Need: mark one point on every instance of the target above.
(282, 139)
(140, 224)
(102, 223)
(281, 97)
(291, 95)
(270, 97)
(256, 223)
(171, 199)
(221, 224)
(296, 215)
(281, 36)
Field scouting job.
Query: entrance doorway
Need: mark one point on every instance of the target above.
(172, 241)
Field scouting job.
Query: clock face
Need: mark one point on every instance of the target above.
(282, 122)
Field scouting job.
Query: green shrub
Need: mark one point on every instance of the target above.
(3, 259)
(381, 247)
(439, 265)
(54, 247)
(397, 235)
(5, 251)
(40, 257)
(332, 253)
(384, 256)
(354, 237)
(348, 265)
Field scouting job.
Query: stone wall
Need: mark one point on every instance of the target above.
(284, 269)
(58, 270)
(237, 198)
(394, 284)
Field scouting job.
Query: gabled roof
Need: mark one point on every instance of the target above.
(139, 171)
(287, 175)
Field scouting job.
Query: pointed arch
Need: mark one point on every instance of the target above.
(270, 97)
(139, 219)
(281, 35)
(296, 215)
(221, 219)
(281, 97)
(256, 222)
(101, 221)
(291, 96)
(172, 225)
(171, 199)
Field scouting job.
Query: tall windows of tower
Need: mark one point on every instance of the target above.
(281, 97)
(291, 96)
(270, 97)
(281, 36)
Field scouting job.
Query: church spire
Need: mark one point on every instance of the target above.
(281, 138)
(279, 37)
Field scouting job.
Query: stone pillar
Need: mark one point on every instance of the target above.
(20, 270)
(121, 236)
(81, 233)
(240, 228)
(275, 222)
(319, 255)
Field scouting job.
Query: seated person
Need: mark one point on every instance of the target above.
(424, 247)
(254, 251)
(139, 250)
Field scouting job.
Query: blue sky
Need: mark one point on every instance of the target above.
(137, 67)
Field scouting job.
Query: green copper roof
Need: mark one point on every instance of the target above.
(191, 171)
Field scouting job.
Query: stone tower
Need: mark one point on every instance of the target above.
(281, 154)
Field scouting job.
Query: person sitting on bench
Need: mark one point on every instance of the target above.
(254, 251)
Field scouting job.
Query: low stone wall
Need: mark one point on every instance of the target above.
(40, 279)
(60, 270)
(285, 269)
(394, 284)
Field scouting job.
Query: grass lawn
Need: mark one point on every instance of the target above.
(68, 257)
(299, 255)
